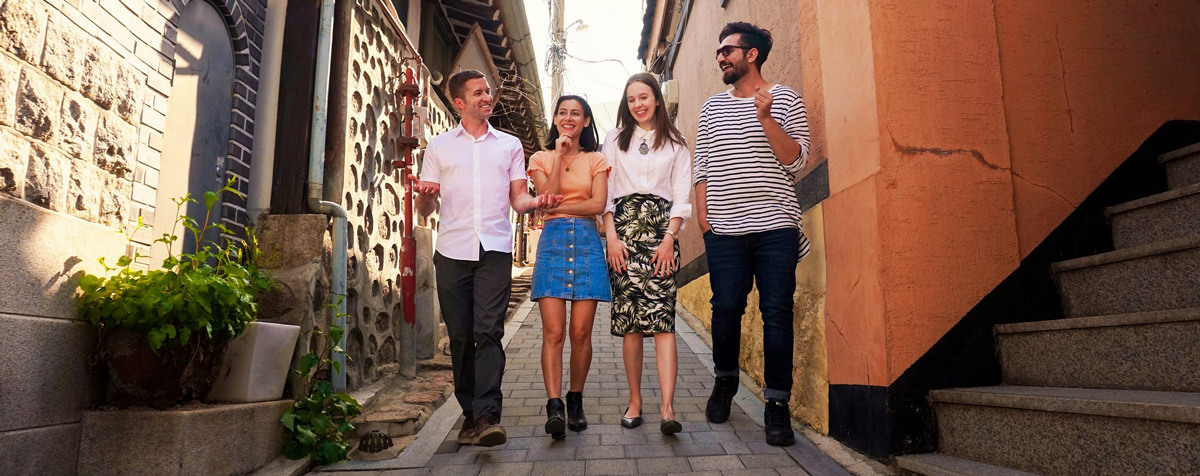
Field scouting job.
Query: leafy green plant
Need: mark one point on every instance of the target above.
(318, 423)
(208, 292)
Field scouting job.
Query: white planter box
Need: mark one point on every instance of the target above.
(256, 365)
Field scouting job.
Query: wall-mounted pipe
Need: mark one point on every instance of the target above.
(266, 113)
(316, 182)
(673, 50)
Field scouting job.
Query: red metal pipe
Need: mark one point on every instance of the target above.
(408, 243)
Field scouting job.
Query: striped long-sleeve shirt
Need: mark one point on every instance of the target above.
(749, 190)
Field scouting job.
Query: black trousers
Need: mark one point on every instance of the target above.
(474, 298)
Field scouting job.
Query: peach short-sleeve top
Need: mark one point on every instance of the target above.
(576, 184)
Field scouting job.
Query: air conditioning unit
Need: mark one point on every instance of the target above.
(670, 90)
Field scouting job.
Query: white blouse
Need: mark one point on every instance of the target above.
(665, 172)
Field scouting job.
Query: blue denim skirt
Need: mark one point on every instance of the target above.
(570, 262)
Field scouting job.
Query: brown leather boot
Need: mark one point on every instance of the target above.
(467, 433)
(488, 432)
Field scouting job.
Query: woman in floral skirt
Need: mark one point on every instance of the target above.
(648, 203)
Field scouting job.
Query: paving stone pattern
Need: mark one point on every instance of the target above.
(733, 448)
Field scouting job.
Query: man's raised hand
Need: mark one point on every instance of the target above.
(424, 188)
(762, 103)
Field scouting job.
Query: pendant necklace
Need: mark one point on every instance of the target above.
(571, 162)
(644, 149)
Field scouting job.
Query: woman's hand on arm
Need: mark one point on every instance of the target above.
(615, 251)
(664, 256)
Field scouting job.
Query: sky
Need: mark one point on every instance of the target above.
(614, 29)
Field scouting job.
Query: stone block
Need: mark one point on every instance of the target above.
(1154, 277)
(1071, 432)
(86, 188)
(46, 178)
(297, 240)
(65, 49)
(936, 464)
(1182, 166)
(39, 101)
(10, 77)
(45, 256)
(129, 86)
(116, 145)
(115, 202)
(22, 23)
(211, 440)
(1161, 217)
(77, 126)
(14, 157)
(37, 451)
(1144, 351)
(44, 388)
(100, 66)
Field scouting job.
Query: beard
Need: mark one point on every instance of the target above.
(733, 74)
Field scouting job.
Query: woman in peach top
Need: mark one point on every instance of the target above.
(570, 257)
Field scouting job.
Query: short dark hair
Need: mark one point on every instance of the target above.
(752, 37)
(458, 82)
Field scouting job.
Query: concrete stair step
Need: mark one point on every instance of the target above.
(1141, 351)
(1165, 216)
(1072, 431)
(937, 464)
(1182, 166)
(1153, 277)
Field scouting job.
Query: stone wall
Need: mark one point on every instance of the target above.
(84, 86)
(378, 339)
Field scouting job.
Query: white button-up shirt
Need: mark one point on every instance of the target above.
(665, 172)
(475, 177)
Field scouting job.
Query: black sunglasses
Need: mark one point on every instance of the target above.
(728, 49)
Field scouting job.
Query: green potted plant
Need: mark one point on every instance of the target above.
(163, 331)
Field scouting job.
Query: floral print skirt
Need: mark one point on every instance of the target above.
(642, 302)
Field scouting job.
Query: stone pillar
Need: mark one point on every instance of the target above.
(298, 251)
(428, 309)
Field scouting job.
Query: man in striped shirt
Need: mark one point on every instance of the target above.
(751, 141)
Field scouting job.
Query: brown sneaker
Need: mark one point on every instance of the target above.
(467, 433)
(488, 432)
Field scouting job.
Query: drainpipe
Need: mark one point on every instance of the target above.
(262, 169)
(673, 51)
(316, 183)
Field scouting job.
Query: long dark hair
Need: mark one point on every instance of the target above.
(665, 131)
(589, 139)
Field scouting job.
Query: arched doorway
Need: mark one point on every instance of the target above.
(198, 120)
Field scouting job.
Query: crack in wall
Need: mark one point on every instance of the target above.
(906, 150)
(1063, 68)
(1048, 189)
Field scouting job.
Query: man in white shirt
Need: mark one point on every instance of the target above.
(483, 170)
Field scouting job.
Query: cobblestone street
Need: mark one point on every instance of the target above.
(733, 448)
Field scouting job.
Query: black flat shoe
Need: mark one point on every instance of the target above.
(556, 422)
(630, 422)
(670, 427)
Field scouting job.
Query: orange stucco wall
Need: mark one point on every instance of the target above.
(960, 133)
